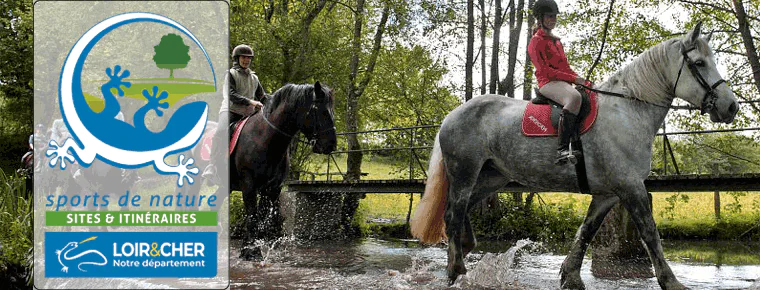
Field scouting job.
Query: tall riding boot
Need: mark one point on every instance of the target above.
(568, 127)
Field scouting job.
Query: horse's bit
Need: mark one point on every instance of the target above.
(708, 102)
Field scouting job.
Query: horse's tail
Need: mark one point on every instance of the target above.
(427, 223)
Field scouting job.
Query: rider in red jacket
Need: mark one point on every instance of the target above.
(554, 75)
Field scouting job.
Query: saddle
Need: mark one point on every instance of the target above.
(541, 116)
(208, 138)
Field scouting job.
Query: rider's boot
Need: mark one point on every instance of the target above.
(568, 126)
(209, 174)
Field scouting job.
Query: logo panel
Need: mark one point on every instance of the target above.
(131, 254)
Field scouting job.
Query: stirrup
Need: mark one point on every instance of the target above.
(209, 174)
(567, 155)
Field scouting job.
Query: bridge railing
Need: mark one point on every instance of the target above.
(412, 145)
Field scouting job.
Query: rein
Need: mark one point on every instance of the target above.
(619, 95)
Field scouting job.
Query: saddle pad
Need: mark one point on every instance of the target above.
(236, 134)
(206, 144)
(537, 119)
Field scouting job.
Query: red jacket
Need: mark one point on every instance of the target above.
(550, 60)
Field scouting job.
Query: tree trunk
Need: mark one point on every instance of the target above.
(355, 90)
(617, 251)
(482, 47)
(354, 160)
(497, 22)
(470, 50)
(528, 77)
(514, 39)
(716, 198)
(749, 46)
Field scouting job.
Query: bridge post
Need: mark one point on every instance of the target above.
(617, 251)
(311, 216)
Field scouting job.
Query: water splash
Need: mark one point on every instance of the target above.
(496, 270)
(268, 248)
(379, 264)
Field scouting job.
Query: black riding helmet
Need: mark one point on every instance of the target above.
(241, 50)
(542, 7)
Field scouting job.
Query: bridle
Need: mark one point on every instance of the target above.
(708, 102)
(312, 138)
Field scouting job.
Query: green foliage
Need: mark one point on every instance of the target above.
(735, 207)
(551, 223)
(669, 210)
(359, 221)
(16, 220)
(719, 153)
(171, 53)
(16, 79)
(237, 212)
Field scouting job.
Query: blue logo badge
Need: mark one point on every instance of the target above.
(104, 134)
(131, 254)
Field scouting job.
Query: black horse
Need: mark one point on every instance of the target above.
(259, 163)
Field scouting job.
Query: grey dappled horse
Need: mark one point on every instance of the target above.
(479, 149)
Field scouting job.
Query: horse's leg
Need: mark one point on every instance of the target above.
(489, 181)
(269, 212)
(462, 182)
(249, 250)
(636, 201)
(571, 268)
(249, 202)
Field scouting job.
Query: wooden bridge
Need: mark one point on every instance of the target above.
(669, 183)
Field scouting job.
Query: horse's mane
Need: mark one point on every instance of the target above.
(291, 95)
(648, 77)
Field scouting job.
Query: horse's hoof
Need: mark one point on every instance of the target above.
(572, 159)
(250, 253)
(455, 271)
(571, 280)
(573, 284)
(674, 286)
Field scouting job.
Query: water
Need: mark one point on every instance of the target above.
(380, 264)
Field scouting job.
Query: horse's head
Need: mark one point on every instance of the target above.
(319, 125)
(698, 81)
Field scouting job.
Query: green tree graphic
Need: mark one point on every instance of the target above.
(171, 53)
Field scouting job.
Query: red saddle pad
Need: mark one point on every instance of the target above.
(537, 119)
(206, 144)
(236, 134)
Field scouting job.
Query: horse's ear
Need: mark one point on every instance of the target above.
(318, 90)
(695, 32)
(708, 37)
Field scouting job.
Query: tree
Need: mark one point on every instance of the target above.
(497, 23)
(171, 53)
(749, 45)
(528, 67)
(483, 30)
(16, 77)
(515, 26)
(470, 62)
(356, 89)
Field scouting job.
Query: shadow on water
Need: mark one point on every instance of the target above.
(404, 264)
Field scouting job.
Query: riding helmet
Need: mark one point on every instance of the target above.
(542, 7)
(242, 49)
